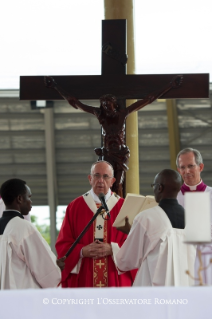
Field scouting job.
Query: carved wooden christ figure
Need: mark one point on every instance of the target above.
(112, 118)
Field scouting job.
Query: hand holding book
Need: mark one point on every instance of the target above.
(133, 205)
(126, 228)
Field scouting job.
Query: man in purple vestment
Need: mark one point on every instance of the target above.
(190, 165)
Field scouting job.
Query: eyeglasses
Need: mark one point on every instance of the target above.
(99, 176)
(154, 184)
(183, 168)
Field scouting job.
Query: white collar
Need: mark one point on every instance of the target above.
(96, 198)
(12, 210)
(194, 187)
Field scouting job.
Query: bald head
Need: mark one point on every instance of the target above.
(168, 183)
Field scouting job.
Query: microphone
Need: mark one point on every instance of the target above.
(102, 199)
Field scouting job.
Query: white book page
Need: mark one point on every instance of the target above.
(131, 207)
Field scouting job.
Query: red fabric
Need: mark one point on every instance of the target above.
(78, 214)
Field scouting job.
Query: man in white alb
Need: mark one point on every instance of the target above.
(190, 165)
(155, 243)
(26, 259)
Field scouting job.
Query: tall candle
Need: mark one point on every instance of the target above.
(197, 217)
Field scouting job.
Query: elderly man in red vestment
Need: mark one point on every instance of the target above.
(91, 263)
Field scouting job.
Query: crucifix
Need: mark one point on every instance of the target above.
(113, 87)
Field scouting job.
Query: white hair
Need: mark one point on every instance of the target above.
(101, 161)
(197, 155)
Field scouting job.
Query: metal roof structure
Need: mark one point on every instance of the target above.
(53, 149)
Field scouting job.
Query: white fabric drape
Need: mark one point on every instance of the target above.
(158, 250)
(26, 260)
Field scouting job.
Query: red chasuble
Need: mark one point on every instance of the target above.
(92, 273)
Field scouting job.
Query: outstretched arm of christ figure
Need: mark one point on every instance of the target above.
(175, 83)
(51, 83)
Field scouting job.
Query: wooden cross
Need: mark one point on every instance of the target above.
(114, 79)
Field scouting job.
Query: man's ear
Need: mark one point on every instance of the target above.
(89, 178)
(160, 188)
(19, 199)
(112, 181)
(201, 166)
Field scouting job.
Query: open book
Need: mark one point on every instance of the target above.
(133, 205)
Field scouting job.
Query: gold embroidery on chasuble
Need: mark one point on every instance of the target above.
(100, 266)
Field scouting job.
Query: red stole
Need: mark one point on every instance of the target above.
(100, 266)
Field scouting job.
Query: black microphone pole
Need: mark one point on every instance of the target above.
(102, 200)
(84, 231)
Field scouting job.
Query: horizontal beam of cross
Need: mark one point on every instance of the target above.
(122, 86)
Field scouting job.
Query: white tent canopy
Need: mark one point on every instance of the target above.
(64, 37)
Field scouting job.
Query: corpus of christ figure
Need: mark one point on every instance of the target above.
(112, 118)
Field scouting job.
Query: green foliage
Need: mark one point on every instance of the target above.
(45, 229)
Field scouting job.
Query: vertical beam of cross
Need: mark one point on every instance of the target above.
(114, 55)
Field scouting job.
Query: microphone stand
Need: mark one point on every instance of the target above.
(84, 231)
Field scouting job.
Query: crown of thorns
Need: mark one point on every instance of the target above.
(108, 97)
